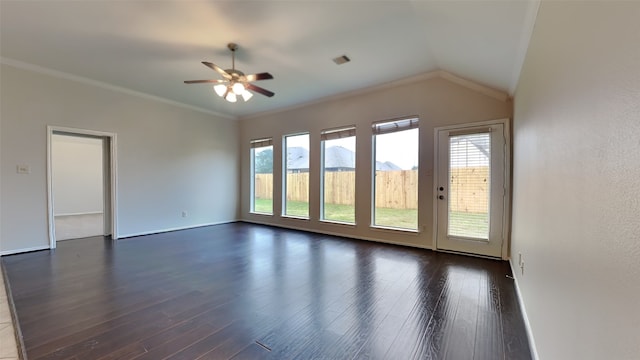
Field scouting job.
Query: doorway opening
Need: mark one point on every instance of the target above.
(81, 180)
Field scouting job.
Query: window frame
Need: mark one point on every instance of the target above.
(253, 145)
(285, 170)
(385, 127)
(328, 135)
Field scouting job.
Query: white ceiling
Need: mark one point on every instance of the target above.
(152, 46)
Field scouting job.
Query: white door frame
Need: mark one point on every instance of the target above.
(506, 216)
(111, 177)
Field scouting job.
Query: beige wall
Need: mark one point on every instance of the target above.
(170, 158)
(576, 198)
(438, 102)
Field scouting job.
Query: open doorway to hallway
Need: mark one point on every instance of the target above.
(78, 186)
(81, 184)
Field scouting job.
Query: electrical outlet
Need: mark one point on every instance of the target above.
(23, 169)
(184, 213)
(519, 258)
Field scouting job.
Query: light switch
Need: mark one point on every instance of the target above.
(23, 169)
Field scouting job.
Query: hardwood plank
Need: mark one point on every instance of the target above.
(252, 352)
(405, 307)
(255, 292)
(101, 335)
(486, 346)
(200, 348)
(516, 345)
(461, 340)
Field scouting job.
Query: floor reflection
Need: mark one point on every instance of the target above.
(215, 291)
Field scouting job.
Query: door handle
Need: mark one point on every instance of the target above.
(441, 197)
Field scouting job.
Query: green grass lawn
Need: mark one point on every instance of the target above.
(461, 223)
(264, 206)
(336, 212)
(345, 213)
(400, 218)
(466, 224)
(297, 208)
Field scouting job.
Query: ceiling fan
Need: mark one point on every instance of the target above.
(235, 82)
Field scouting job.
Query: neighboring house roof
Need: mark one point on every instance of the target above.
(336, 157)
(387, 166)
(297, 158)
(339, 157)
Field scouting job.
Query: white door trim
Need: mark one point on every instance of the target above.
(506, 216)
(113, 178)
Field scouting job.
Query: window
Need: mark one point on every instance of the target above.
(469, 185)
(395, 185)
(338, 175)
(262, 176)
(296, 179)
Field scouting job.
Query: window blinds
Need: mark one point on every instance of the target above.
(261, 143)
(340, 133)
(385, 127)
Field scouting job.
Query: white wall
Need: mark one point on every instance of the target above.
(169, 158)
(76, 170)
(437, 102)
(576, 203)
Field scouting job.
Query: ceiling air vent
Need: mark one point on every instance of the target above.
(341, 60)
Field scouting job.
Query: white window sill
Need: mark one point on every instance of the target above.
(394, 229)
(295, 217)
(339, 223)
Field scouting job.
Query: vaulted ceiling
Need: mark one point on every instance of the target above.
(152, 46)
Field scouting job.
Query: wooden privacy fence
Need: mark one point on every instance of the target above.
(336, 194)
(468, 189)
(395, 189)
(263, 186)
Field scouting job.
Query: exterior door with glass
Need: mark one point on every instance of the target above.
(471, 188)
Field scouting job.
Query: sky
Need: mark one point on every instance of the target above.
(400, 148)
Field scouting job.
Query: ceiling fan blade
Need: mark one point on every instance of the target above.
(204, 81)
(261, 76)
(260, 90)
(217, 68)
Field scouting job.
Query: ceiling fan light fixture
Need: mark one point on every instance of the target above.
(220, 89)
(235, 82)
(238, 88)
(246, 95)
(231, 97)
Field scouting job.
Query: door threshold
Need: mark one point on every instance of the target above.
(470, 254)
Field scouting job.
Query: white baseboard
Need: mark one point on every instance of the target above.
(124, 236)
(80, 213)
(527, 324)
(325, 232)
(16, 251)
(46, 247)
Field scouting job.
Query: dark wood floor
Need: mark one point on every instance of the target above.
(244, 291)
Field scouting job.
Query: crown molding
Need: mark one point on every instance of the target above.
(471, 85)
(367, 90)
(485, 90)
(496, 94)
(525, 38)
(63, 75)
